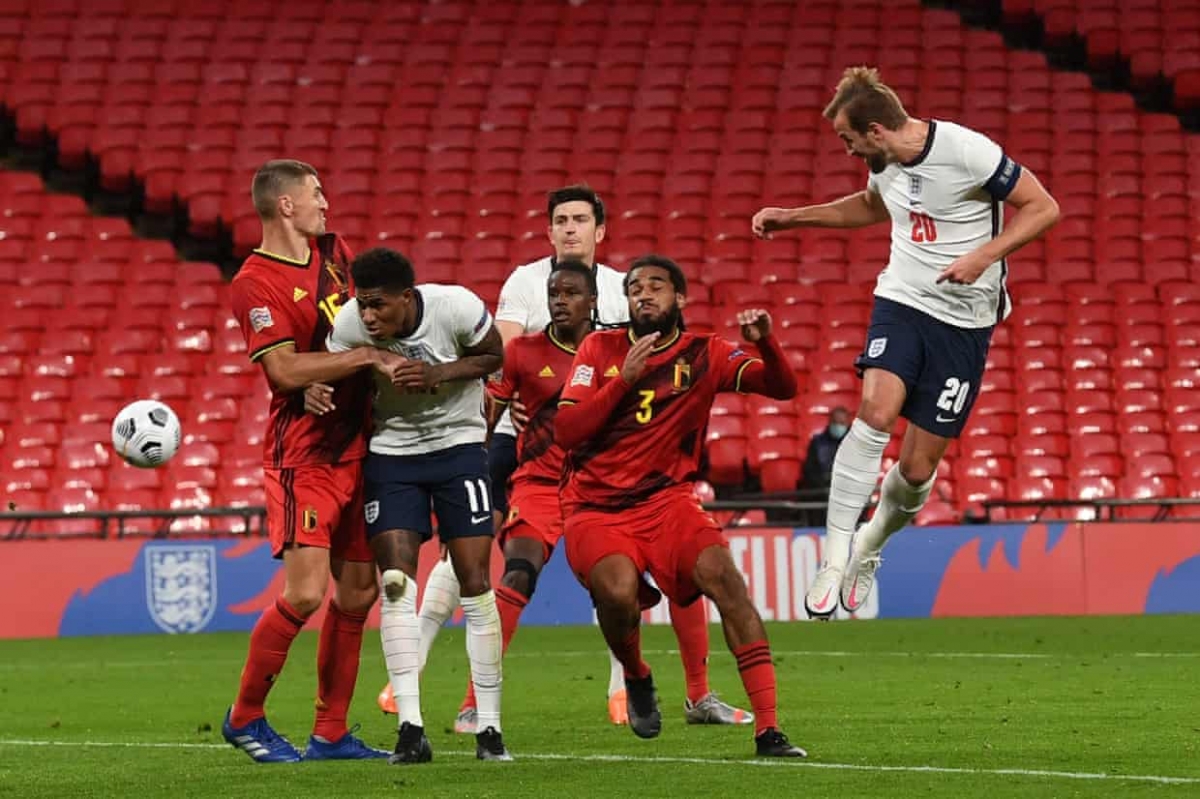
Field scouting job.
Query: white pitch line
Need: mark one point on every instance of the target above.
(580, 653)
(599, 654)
(699, 761)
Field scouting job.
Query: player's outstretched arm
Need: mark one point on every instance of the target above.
(288, 370)
(857, 210)
(1037, 212)
(771, 376)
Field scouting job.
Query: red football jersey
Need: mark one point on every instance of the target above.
(535, 367)
(277, 302)
(655, 437)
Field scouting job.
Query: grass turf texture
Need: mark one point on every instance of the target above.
(1113, 696)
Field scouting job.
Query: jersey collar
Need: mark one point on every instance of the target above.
(670, 341)
(921, 156)
(283, 259)
(554, 340)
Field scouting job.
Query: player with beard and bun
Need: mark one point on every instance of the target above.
(576, 228)
(632, 420)
(943, 187)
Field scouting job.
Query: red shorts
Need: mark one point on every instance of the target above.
(318, 506)
(663, 536)
(533, 512)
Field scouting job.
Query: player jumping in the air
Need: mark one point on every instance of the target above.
(942, 186)
(427, 447)
(632, 420)
(576, 216)
(285, 298)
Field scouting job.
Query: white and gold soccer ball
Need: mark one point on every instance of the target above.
(146, 433)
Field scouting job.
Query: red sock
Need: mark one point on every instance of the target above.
(337, 670)
(273, 635)
(509, 603)
(629, 653)
(691, 629)
(758, 677)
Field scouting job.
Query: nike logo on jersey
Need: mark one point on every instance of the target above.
(546, 372)
(298, 294)
(946, 420)
(613, 371)
(480, 519)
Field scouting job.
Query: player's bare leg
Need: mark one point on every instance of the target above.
(524, 559)
(615, 583)
(396, 553)
(338, 652)
(718, 578)
(855, 473)
(471, 557)
(901, 497)
(306, 577)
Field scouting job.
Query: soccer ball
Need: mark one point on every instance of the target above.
(146, 433)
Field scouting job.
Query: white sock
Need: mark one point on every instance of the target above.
(398, 630)
(855, 472)
(483, 651)
(437, 605)
(899, 502)
(616, 675)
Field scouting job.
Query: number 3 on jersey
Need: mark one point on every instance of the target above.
(645, 411)
(923, 229)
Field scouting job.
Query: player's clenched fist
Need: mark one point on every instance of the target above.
(388, 363)
(318, 399)
(769, 220)
(756, 324)
(635, 361)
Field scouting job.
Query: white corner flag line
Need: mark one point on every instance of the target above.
(700, 761)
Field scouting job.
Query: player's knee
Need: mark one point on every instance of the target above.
(305, 600)
(917, 471)
(520, 575)
(877, 416)
(615, 586)
(718, 578)
(474, 584)
(357, 599)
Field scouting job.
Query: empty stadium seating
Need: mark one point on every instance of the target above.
(439, 126)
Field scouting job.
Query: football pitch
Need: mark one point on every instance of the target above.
(1058, 707)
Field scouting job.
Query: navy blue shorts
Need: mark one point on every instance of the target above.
(941, 365)
(502, 462)
(401, 490)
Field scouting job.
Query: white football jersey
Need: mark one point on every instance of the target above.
(452, 319)
(944, 204)
(525, 299)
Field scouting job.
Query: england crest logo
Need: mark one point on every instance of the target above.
(181, 586)
(371, 511)
(876, 347)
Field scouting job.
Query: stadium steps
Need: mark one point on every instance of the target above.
(1076, 37)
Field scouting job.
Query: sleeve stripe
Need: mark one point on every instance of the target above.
(499, 401)
(261, 351)
(562, 403)
(737, 381)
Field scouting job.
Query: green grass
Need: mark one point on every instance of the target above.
(1117, 696)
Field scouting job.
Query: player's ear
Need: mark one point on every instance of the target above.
(550, 234)
(680, 300)
(285, 206)
(600, 231)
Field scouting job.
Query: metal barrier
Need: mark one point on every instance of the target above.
(788, 508)
(24, 525)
